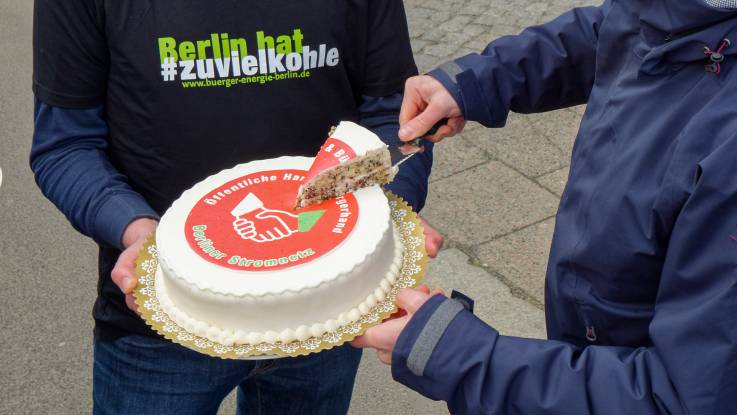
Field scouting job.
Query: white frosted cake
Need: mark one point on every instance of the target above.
(238, 265)
(353, 157)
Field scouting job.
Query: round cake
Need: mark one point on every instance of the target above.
(239, 265)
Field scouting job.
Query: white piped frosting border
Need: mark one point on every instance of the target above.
(301, 332)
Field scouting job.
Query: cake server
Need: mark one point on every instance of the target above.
(401, 153)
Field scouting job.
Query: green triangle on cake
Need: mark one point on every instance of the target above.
(307, 220)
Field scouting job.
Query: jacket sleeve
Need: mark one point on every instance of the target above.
(543, 68)
(70, 163)
(689, 368)
(381, 115)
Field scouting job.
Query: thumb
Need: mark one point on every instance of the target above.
(423, 122)
(411, 299)
(123, 273)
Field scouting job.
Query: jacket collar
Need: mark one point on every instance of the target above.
(675, 32)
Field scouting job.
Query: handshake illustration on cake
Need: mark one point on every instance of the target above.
(259, 224)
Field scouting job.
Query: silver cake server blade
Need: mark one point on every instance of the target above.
(401, 153)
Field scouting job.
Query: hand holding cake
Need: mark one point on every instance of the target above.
(384, 336)
(124, 272)
(433, 239)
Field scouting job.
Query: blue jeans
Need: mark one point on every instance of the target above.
(143, 375)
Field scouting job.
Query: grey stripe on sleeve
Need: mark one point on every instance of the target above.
(451, 69)
(430, 335)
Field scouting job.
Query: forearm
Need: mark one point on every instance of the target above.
(543, 68)
(70, 163)
(476, 370)
(381, 115)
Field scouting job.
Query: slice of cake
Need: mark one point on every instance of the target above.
(238, 265)
(352, 158)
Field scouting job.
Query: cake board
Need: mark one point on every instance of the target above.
(414, 266)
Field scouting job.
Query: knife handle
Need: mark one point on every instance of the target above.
(434, 129)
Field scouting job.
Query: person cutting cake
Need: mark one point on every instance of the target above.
(641, 287)
(135, 101)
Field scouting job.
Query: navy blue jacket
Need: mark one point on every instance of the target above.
(641, 289)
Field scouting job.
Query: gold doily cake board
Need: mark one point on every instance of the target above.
(414, 266)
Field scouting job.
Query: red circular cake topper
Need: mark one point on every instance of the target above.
(250, 223)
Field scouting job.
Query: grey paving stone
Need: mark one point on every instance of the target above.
(375, 392)
(442, 50)
(456, 24)
(521, 257)
(523, 145)
(418, 45)
(490, 17)
(228, 405)
(484, 202)
(494, 302)
(425, 62)
(579, 109)
(558, 7)
(526, 14)
(471, 30)
(455, 154)
(475, 7)
(463, 51)
(479, 42)
(555, 181)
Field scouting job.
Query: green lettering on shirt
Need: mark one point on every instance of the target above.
(167, 46)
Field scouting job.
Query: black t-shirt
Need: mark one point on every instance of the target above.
(192, 87)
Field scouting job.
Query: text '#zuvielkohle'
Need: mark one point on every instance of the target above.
(221, 60)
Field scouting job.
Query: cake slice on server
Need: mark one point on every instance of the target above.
(352, 158)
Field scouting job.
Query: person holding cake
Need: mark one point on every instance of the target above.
(641, 288)
(137, 100)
